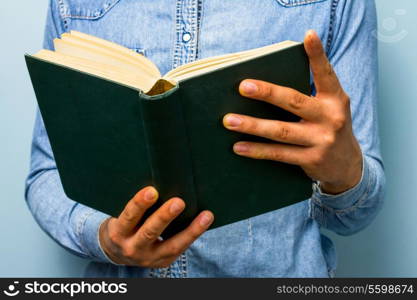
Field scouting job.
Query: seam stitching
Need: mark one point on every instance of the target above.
(294, 3)
(183, 260)
(331, 25)
(61, 6)
(97, 14)
(80, 229)
(177, 46)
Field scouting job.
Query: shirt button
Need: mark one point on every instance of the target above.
(186, 37)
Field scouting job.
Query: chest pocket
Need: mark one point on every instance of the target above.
(293, 3)
(94, 10)
(85, 9)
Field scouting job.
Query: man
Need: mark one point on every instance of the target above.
(336, 143)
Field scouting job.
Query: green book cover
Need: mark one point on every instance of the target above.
(110, 140)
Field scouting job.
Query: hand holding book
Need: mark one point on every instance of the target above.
(126, 243)
(322, 143)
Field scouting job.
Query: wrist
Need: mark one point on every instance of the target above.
(105, 242)
(351, 178)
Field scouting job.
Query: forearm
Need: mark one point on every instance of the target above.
(72, 225)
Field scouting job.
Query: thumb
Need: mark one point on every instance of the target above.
(325, 78)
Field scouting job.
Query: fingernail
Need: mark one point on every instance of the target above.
(240, 148)
(313, 37)
(312, 32)
(205, 220)
(150, 194)
(232, 121)
(248, 88)
(175, 207)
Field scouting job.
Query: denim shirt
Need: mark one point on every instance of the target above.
(282, 243)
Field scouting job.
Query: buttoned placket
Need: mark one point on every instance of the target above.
(188, 13)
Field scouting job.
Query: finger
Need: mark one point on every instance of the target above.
(177, 244)
(325, 78)
(289, 99)
(277, 152)
(285, 132)
(156, 223)
(135, 208)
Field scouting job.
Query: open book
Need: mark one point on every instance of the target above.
(108, 60)
(115, 125)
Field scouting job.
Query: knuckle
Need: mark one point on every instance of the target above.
(194, 233)
(114, 237)
(149, 234)
(338, 121)
(297, 101)
(129, 216)
(144, 203)
(174, 249)
(329, 138)
(164, 217)
(277, 156)
(265, 91)
(129, 252)
(341, 98)
(282, 133)
(261, 155)
(273, 154)
(251, 125)
(329, 69)
(138, 204)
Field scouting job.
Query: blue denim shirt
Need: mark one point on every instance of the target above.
(285, 242)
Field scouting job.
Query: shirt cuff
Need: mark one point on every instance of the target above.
(347, 199)
(90, 236)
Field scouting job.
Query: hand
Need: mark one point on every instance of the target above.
(322, 143)
(127, 244)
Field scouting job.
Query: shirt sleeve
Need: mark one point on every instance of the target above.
(352, 50)
(72, 225)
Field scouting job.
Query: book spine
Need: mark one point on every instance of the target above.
(170, 154)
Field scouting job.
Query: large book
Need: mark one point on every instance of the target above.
(116, 125)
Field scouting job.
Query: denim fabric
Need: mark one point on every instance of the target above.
(285, 242)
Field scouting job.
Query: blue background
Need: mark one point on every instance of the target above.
(387, 248)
